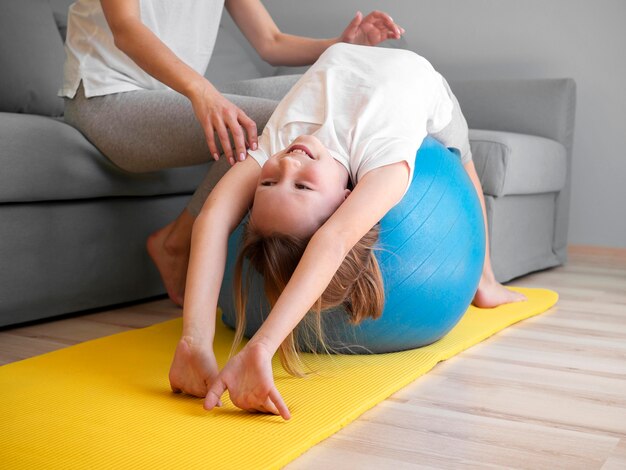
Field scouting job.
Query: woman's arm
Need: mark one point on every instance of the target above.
(194, 367)
(214, 112)
(278, 48)
(248, 375)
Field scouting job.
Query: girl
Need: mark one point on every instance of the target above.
(337, 154)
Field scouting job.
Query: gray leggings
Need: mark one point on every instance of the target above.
(143, 131)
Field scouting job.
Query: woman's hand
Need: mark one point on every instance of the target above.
(219, 116)
(371, 30)
(194, 367)
(250, 383)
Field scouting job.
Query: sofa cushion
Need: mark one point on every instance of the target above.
(229, 61)
(509, 163)
(31, 54)
(44, 159)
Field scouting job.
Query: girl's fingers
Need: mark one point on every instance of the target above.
(214, 394)
(269, 407)
(279, 403)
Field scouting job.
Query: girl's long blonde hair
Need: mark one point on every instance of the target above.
(357, 286)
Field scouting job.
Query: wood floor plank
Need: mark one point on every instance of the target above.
(69, 330)
(543, 356)
(604, 390)
(527, 404)
(17, 347)
(617, 458)
(485, 440)
(424, 437)
(131, 317)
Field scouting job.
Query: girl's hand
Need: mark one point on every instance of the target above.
(194, 367)
(218, 115)
(371, 30)
(250, 383)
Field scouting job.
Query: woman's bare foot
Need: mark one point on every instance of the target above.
(169, 249)
(491, 293)
(193, 368)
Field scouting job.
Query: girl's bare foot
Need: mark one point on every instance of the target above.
(491, 293)
(169, 249)
(193, 368)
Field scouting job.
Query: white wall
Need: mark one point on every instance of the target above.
(582, 39)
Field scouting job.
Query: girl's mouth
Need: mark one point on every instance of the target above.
(302, 148)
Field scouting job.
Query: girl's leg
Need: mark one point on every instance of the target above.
(143, 131)
(490, 292)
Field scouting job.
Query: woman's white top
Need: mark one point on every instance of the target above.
(187, 27)
(369, 106)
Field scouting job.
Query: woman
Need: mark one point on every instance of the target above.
(134, 85)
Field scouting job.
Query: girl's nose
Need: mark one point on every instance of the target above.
(289, 162)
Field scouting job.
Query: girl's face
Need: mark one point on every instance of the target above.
(299, 188)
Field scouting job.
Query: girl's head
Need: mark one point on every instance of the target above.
(299, 189)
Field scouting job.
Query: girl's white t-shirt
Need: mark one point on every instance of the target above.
(369, 106)
(188, 28)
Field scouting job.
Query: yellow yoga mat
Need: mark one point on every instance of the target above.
(107, 404)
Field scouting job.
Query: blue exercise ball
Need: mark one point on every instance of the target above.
(431, 251)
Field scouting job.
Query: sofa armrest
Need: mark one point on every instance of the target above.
(541, 107)
(508, 163)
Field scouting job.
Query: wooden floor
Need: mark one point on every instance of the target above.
(547, 393)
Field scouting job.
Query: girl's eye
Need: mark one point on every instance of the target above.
(301, 186)
(266, 183)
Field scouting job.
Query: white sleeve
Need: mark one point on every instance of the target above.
(394, 151)
(263, 151)
(442, 110)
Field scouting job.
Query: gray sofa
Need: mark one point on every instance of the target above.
(73, 226)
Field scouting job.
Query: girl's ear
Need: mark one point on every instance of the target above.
(346, 193)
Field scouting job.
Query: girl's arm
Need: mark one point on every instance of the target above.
(194, 367)
(377, 192)
(248, 375)
(214, 112)
(278, 48)
(222, 212)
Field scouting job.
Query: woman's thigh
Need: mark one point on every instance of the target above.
(272, 88)
(143, 131)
